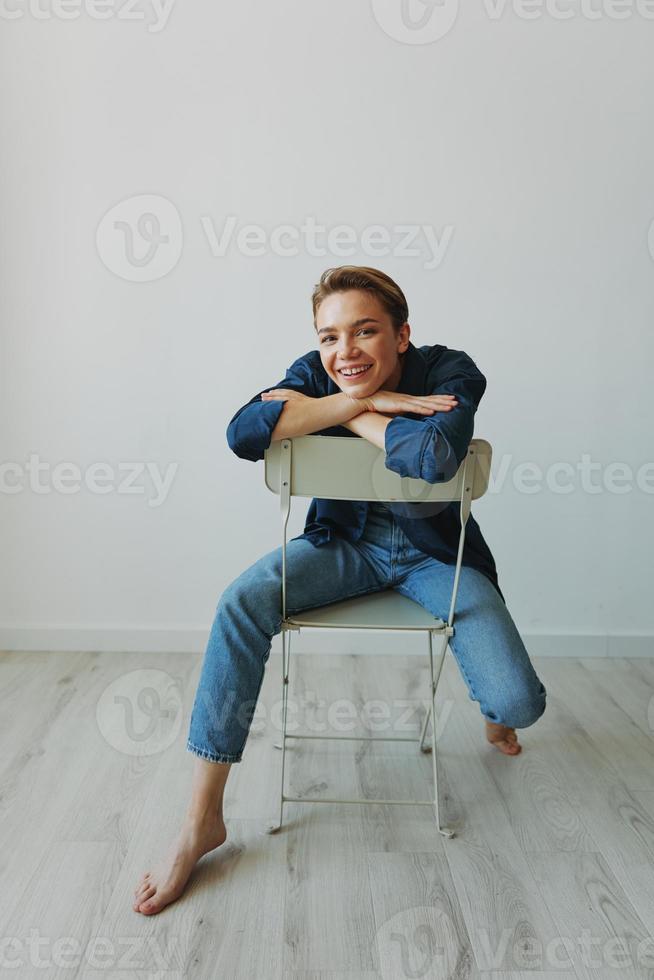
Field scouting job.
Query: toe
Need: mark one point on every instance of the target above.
(143, 880)
(144, 897)
(149, 907)
(508, 747)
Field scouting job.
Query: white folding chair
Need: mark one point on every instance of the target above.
(344, 468)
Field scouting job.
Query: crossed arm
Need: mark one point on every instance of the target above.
(430, 445)
(367, 417)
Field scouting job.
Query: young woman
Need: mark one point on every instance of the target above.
(365, 379)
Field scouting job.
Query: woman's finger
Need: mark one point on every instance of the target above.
(437, 404)
(430, 398)
(430, 409)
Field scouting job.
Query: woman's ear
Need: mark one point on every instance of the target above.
(403, 338)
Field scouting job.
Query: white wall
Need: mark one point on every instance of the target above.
(527, 141)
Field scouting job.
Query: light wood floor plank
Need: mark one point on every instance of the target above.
(326, 975)
(603, 936)
(544, 810)
(59, 911)
(629, 683)
(500, 901)
(84, 809)
(615, 735)
(234, 893)
(46, 769)
(420, 930)
(616, 819)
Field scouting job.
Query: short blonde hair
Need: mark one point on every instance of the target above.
(343, 277)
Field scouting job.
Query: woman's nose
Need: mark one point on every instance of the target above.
(347, 350)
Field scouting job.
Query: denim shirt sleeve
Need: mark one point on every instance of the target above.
(249, 431)
(432, 448)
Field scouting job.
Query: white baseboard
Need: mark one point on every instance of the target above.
(146, 639)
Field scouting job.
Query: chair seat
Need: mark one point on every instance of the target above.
(386, 609)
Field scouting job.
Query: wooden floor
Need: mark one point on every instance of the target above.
(551, 873)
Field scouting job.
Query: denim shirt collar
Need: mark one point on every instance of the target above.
(414, 372)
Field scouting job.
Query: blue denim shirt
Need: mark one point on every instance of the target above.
(429, 448)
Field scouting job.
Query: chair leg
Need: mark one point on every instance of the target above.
(286, 656)
(423, 747)
(445, 831)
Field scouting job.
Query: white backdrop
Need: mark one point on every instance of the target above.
(496, 160)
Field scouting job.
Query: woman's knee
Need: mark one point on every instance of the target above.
(520, 707)
(254, 596)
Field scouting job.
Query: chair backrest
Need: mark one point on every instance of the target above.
(346, 468)
(343, 468)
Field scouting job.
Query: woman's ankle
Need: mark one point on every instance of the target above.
(201, 814)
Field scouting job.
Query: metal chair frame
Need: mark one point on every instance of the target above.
(344, 468)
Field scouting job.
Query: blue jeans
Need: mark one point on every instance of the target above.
(486, 644)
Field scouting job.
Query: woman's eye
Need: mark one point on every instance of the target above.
(330, 337)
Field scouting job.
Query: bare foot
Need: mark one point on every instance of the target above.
(504, 737)
(162, 886)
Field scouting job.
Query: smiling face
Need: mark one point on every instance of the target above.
(359, 348)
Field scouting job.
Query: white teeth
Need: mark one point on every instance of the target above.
(349, 372)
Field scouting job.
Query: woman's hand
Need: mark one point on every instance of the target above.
(395, 403)
(388, 403)
(284, 395)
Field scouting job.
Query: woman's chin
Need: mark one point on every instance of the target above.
(358, 391)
